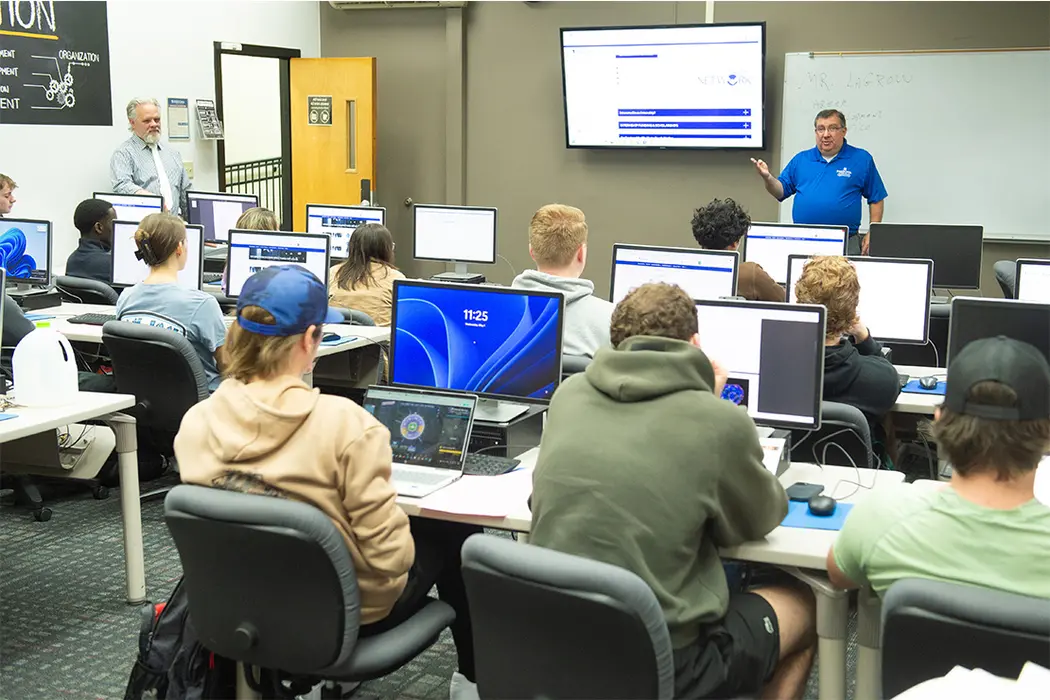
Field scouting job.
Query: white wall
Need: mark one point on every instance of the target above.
(251, 107)
(160, 49)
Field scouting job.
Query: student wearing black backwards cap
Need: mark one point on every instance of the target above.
(93, 257)
(985, 528)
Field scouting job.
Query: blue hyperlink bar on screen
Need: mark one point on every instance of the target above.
(639, 263)
(692, 112)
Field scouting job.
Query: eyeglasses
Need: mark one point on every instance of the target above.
(828, 129)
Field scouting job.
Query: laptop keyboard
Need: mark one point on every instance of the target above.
(411, 476)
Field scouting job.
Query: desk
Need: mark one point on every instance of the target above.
(923, 404)
(784, 546)
(106, 407)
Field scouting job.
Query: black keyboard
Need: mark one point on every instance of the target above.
(92, 319)
(488, 465)
(212, 277)
(903, 379)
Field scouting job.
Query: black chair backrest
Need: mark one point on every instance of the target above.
(84, 291)
(547, 624)
(929, 627)
(159, 367)
(574, 364)
(357, 318)
(270, 581)
(844, 435)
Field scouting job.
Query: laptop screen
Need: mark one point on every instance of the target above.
(426, 430)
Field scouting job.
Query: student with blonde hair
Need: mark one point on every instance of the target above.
(365, 280)
(266, 431)
(558, 244)
(161, 301)
(254, 219)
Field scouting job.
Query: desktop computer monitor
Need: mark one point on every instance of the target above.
(127, 270)
(894, 296)
(132, 207)
(217, 212)
(25, 251)
(454, 234)
(955, 250)
(500, 343)
(975, 318)
(774, 354)
(703, 274)
(1033, 280)
(251, 251)
(338, 222)
(769, 245)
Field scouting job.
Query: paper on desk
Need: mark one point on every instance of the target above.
(772, 448)
(483, 496)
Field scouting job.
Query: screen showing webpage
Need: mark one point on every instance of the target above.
(129, 270)
(218, 213)
(1033, 281)
(25, 250)
(339, 223)
(894, 300)
(665, 87)
(132, 207)
(251, 251)
(773, 355)
(702, 274)
(455, 234)
(769, 246)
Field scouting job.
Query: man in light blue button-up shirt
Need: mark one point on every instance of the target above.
(145, 165)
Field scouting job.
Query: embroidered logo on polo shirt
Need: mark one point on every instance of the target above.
(844, 172)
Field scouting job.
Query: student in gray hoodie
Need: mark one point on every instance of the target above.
(643, 466)
(558, 244)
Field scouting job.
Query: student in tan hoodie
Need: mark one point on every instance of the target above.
(265, 431)
(720, 226)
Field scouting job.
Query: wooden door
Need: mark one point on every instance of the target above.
(333, 131)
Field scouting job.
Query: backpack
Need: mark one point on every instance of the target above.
(172, 663)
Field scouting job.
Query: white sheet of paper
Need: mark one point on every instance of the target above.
(483, 496)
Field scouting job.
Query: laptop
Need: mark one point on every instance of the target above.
(429, 434)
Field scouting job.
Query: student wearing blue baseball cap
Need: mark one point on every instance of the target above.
(265, 431)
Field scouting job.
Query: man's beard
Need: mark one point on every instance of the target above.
(151, 138)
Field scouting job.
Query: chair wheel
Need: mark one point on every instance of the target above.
(42, 515)
(100, 493)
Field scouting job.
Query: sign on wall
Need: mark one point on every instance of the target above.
(54, 63)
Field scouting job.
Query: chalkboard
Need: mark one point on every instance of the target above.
(54, 63)
(959, 137)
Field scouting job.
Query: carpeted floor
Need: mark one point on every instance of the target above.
(65, 631)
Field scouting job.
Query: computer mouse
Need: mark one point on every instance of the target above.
(928, 383)
(822, 505)
(329, 337)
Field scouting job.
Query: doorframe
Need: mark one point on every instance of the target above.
(284, 57)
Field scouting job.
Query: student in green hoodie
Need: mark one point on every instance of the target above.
(643, 466)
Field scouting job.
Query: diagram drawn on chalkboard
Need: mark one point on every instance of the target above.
(59, 88)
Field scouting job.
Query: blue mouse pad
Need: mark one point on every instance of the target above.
(8, 416)
(913, 387)
(799, 516)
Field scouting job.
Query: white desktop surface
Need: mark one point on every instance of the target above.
(31, 421)
(919, 403)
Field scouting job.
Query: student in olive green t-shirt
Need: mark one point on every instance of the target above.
(985, 528)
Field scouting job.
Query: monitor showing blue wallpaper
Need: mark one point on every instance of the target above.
(485, 340)
(25, 246)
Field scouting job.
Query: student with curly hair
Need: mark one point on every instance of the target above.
(855, 372)
(720, 226)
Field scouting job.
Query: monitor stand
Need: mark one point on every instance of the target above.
(20, 289)
(460, 275)
(763, 431)
(494, 411)
(940, 300)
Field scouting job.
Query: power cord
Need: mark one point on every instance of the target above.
(512, 270)
(826, 443)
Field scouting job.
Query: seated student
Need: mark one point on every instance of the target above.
(7, 195)
(253, 219)
(160, 301)
(855, 372)
(985, 528)
(265, 431)
(558, 244)
(643, 465)
(93, 258)
(720, 226)
(365, 280)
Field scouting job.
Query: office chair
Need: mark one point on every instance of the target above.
(357, 318)
(161, 369)
(79, 290)
(1006, 276)
(844, 430)
(573, 364)
(549, 624)
(271, 584)
(929, 627)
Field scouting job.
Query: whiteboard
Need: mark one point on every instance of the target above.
(959, 138)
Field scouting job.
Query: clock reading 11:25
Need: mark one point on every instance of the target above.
(475, 315)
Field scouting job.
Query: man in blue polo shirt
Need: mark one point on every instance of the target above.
(829, 180)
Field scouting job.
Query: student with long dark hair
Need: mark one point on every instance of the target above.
(365, 281)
